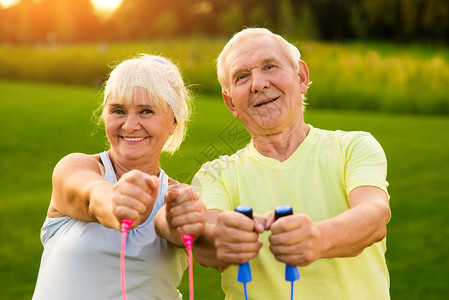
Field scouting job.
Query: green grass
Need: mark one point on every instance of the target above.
(41, 123)
(369, 76)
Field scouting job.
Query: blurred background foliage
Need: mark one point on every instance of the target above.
(383, 55)
(50, 21)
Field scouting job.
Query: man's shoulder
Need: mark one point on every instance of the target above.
(342, 136)
(226, 163)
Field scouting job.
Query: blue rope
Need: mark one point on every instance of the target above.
(244, 291)
(291, 297)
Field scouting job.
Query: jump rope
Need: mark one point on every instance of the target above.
(244, 272)
(186, 238)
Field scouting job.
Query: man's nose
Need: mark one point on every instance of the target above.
(259, 81)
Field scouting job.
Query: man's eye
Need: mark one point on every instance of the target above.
(269, 67)
(240, 77)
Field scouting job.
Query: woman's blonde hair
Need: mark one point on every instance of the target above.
(164, 84)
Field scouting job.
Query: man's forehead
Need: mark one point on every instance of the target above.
(254, 51)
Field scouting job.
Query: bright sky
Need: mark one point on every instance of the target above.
(106, 6)
(7, 3)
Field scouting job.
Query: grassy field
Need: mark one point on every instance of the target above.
(41, 123)
(374, 76)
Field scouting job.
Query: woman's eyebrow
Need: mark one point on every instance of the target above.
(138, 105)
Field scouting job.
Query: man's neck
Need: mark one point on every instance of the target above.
(283, 144)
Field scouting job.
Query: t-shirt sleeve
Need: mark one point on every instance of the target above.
(366, 163)
(210, 184)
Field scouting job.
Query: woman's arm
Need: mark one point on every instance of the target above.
(81, 192)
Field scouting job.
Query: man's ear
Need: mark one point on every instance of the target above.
(303, 76)
(230, 104)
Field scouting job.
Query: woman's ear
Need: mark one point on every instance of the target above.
(173, 127)
(230, 104)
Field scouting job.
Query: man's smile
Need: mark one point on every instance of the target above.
(266, 102)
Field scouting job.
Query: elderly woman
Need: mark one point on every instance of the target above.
(145, 109)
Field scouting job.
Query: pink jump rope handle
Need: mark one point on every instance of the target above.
(126, 225)
(188, 242)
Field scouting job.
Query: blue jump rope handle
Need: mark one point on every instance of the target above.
(244, 273)
(291, 272)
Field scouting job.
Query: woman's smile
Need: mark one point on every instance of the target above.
(133, 139)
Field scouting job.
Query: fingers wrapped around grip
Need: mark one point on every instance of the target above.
(185, 212)
(295, 240)
(235, 238)
(134, 196)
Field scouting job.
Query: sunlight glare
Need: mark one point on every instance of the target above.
(8, 3)
(106, 6)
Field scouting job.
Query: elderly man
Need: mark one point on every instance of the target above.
(335, 182)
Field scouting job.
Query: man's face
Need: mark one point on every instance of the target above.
(264, 90)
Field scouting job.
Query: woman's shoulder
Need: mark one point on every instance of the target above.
(80, 161)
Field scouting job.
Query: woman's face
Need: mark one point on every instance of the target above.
(139, 130)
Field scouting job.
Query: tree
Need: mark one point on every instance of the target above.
(231, 20)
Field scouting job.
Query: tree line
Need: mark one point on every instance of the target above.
(69, 21)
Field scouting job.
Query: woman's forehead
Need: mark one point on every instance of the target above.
(133, 96)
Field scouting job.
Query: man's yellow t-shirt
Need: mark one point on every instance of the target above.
(315, 180)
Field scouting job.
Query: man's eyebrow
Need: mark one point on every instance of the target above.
(237, 72)
(268, 60)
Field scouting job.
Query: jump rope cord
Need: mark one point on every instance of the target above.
(126, 225)
(244, 291)
(188, 242)
(291, 292)
(244, 271)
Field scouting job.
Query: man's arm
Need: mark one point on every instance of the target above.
(204, 247)
(296, 240)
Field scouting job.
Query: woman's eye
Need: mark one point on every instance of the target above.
(147, 111)
(118, 111)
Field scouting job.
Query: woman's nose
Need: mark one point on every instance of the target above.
(131, 123)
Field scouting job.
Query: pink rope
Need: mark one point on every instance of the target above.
(122, 265)
(188, 242)
(126, 225)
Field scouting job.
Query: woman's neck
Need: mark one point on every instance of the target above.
(122, 166)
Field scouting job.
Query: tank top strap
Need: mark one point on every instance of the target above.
(160, 201)
(109, 174)
(163, 185)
